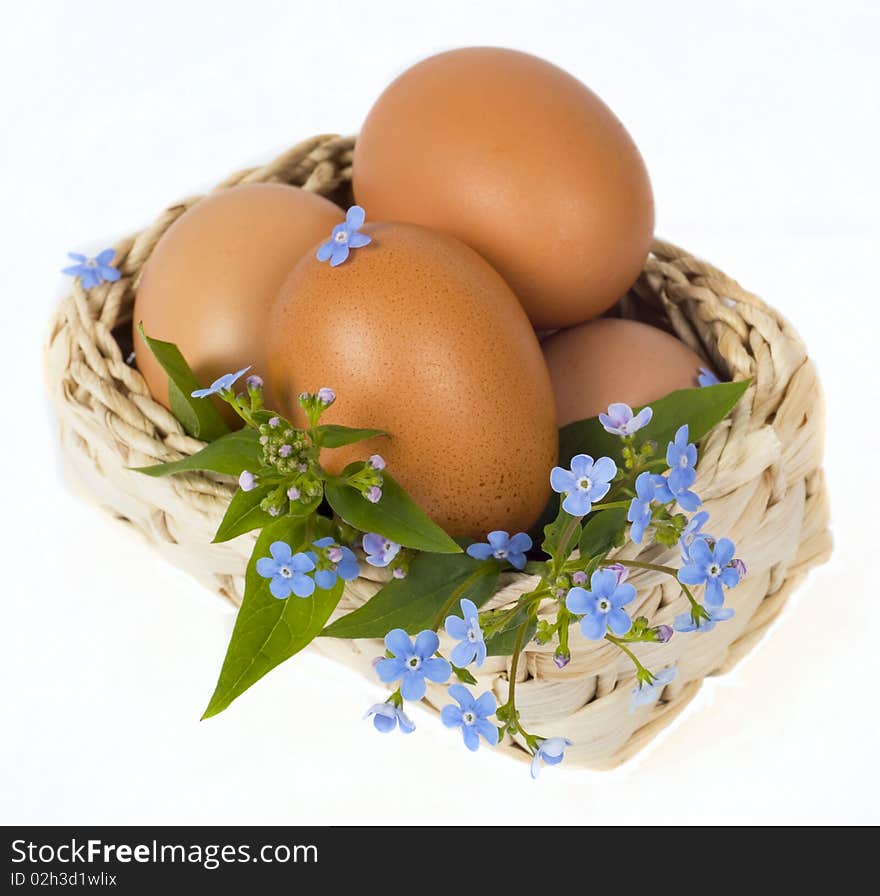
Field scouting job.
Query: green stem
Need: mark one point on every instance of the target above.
(559, 561)
(620, 644)
(635, 564)
(614, 505)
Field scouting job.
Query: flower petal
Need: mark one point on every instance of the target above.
(604, 469)
(281, 551)
(562, 480)
(463, 654)
(724, 551)
(714, 593)
(486, 704)
(619, 622)
(339, 255)
(461, 694)
(427, 643)
(456, 628)
(390, 669)
(412, 686)
(303, 586)
(325, 579)
(436, 669)
(593, 627)
(471, 737)
(581, 465)
(280, 588)
(450, 715)
(488, 730)
(469, 608)
(399, 643)
(480, 551)
(577, 503)
(266, 567)
(579, 601)
(325, 250)
(359, 240)
(355, 217)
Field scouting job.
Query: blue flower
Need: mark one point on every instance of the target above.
(466, 629)
(288, 571)
(680, 454)
(684, 622)
(707, 378)
(646, 694)
(551, 751)
(584, 484)
(677, 487)
(601, 605)
(345, 237)
(343, 563)
(712, 567)
(93, 271)
(691, 532)
(412, 663)
(387, 716)
(640, 511)
(380, 550)
(502, 547)
(471, 715)
(619, 420)
(224, 384)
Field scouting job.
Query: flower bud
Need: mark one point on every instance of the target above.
(740, 567)
(294, 493)
(326, 396)
(561, 658)
(620, 571)
(254, 382)
(579, 577)
(377, 462)
(373, 494)
(663, 633)
(334, 554)
(247, 482)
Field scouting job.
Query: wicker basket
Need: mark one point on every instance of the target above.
(759, 475)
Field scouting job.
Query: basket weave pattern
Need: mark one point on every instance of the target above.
(759, 475)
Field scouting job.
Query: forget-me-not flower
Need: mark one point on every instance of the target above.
(288, 571)
(380, 550)
(345, 237)
(466, 629)
(602, 605)
(620, 420)
(471, 715)
(345, 564)
(681, 454)
(646, 694)
(712, 567)
(691, 532)
(93, 271)
(640, 511)
(677, 487)
(550, 751)
(684, 622)
(223, 384)
(584, 484)
(501, 546)
(412, 663)
(387, 716)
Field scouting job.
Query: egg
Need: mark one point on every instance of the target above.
(210, 280)
(420, 337)
(522, 162)
(608, 360)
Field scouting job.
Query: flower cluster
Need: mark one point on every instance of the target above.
(589, 590)
(300, 573)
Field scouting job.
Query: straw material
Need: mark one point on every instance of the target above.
(759, 475)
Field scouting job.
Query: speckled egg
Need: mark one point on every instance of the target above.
(421, 337)
(607, 360)
(522, 162)
(213, 275)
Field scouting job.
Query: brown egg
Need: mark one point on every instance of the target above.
(609, 360)
(419, 336)
(523, 163)
(214, 273)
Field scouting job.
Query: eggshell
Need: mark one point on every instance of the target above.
(213, 275)
(523, 163)
(419, 336)
(607, 360)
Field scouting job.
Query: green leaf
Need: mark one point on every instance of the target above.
(332, 436)
(198, 416)
(244, 514)
(702, 409)
(396, 515)
(432, 590)
(230, 454)
(602, 531)
(269, 631)
(561, 536)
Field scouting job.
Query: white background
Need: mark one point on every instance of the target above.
(759, 124)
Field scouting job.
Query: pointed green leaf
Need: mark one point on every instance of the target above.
(269, 631)
(702, 409)
(243, 514)
(602, 531)
(561, 536)
(231, 454)
(330, 435)
(396, 515)
(503, 642)
(198, 416)
(432, 591)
